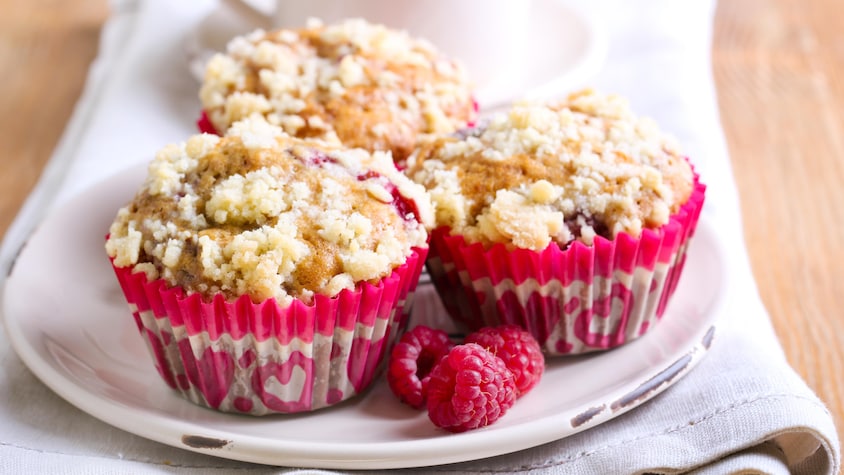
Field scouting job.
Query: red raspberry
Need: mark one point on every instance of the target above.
(519, 350)
(469, 388)
(204, 124)
(411, 361)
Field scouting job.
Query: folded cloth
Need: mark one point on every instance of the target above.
(742, 410)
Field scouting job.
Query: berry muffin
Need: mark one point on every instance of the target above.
(570, 219)
(266, 273)
(353, 82)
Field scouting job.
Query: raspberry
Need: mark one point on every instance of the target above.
(204, 124)
(517, 348)
(469, 388)
(411, 361)
(406, 207)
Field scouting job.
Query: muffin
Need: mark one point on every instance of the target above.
(267, 273)
(353, 82)
(570, 219)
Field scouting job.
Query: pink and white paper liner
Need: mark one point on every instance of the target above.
(577, 300)
(239, 356)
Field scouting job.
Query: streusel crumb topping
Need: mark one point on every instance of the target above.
(263, 214)
(543, 173)
(352, 82)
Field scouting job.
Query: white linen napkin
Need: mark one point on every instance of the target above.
(742, 410)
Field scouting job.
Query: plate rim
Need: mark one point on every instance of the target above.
(332, 455)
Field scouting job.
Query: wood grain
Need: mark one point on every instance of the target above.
(45, 50)
(779, 68)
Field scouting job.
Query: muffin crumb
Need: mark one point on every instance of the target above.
(353, 82)
(567, 170)
(264, 214)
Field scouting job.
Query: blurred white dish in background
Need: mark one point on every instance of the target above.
(484, 34)
(562, 50)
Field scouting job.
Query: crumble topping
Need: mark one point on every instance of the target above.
(353, 82)
(562, 171)
(261, 213)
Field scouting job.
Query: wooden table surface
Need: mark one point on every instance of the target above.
(779, 69)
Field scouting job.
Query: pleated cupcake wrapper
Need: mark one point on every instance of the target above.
(242, 357)
(577, 300)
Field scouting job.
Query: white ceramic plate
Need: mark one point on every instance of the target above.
(564, 50)
(67, 320)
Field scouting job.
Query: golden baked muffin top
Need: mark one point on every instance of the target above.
(264, 214)
(574, 169)
(353, 82)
